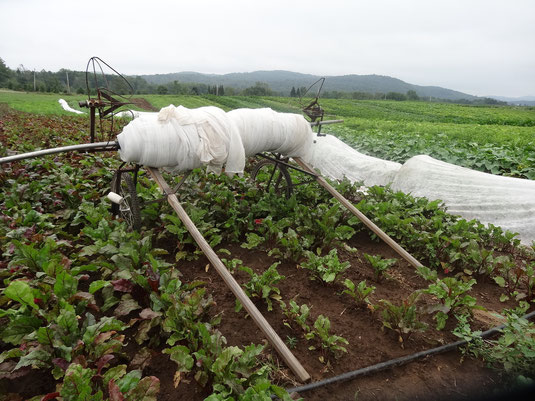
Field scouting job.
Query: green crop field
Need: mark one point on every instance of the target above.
(495, 139)
(94, 310)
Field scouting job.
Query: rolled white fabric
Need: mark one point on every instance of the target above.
(181, 139)
(264, 130)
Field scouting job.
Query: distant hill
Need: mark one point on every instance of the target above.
(521, 101)
(283, 81)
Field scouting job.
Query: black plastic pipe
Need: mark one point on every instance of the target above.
(395, 362)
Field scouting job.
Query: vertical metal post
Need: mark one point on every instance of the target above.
(92, 112)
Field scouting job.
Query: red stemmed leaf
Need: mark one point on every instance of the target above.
(154, 279)
(50, 396)
(101, 337)
(114, 391)
(147, 389)
(62, 363)
(122, 285)
(102, 362)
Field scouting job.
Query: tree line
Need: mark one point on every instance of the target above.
(68, 81)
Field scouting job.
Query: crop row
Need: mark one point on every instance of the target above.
(78, 287)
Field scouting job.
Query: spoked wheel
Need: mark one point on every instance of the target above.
(268, 174)
(128, 209)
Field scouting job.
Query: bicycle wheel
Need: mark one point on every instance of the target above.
(268, 174)
(128, 209)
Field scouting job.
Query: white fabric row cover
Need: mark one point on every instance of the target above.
(337, 160)
(502, 201)
(506, 202)
(181, 139)
(66, 107)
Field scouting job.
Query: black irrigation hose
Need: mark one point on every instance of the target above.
(395, 362)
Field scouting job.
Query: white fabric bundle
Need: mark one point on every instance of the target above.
(337, 160)
(181, 139)
(264, 130)
(503, 201)
(66, 107)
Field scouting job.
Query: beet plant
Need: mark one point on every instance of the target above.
(325, 268)
(404, 319)
(262, 285)
(453, 298)
(379, 265)
(360, 292)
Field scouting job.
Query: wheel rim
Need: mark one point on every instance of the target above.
(268, 174)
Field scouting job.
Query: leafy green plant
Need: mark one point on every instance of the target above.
(291, 342)
(262, 285)
(451, 293)
(41, 259)
(518, 280)
(296, 313)
(513, 351)
(330, 342)
(291, 246)
(360, 292)
(81, 384)
(404, 319)
(232, 264)
(379, 265)
(325, 268)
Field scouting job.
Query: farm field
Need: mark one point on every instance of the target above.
(493, 139)
(91, 310)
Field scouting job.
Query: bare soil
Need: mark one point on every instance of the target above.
(445, 376)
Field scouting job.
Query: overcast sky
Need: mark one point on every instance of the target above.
(481, 47)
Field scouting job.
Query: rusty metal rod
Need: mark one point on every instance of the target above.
(367, 222)
(229, 280)
(71, 148)
(326, 122)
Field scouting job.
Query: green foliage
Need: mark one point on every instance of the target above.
(325, 268)
(518, 280)
(296, 313)
(379, 265)
(451, 293)
(330, 342)
(262, 285)
(513, 352)
(404, 318)
(360, 292)
(319, 330)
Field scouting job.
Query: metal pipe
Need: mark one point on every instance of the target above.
(71, 148)
(326, 122)
(396, 362)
